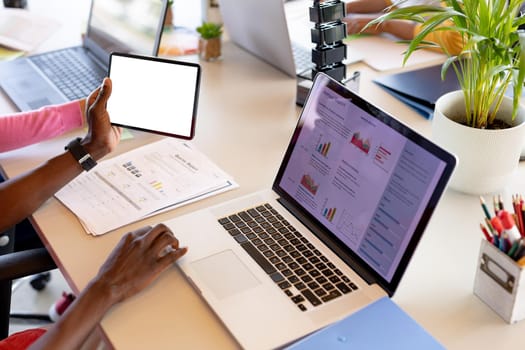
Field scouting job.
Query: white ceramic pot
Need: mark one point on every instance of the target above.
(487, 159)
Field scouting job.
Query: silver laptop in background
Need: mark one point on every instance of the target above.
(348, 206)
(129, 26)
(260, 28)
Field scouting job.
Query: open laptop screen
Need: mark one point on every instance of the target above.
(369, 181)
(129, 26)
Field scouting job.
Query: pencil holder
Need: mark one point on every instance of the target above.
(499, 283)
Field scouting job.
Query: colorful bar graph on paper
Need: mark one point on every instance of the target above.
(157, 185)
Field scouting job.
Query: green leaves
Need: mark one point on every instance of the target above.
(520, 74)
(209, 30)
(493, 55)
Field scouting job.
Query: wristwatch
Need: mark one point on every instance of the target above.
(80, 154)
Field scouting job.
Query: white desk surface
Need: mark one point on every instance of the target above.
(246, 115)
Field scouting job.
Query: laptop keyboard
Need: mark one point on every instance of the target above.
(70, 72)
(300, 270)
(302, 58)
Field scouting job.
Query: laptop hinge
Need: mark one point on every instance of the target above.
(99, 56)
(332, 243)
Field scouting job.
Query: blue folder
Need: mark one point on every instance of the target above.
(380, 325)
(420, 88)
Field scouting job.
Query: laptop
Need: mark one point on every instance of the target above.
(348, 206)
(133, 26)
(260, 28)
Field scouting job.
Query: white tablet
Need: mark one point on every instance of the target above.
(154, 94)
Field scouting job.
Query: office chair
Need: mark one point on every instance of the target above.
(15, 265)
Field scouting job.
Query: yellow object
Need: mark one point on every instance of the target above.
(452, 42)
(8, 54)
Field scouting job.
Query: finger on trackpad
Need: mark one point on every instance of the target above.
(224, 274)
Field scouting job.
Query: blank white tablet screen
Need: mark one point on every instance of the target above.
(153, 94)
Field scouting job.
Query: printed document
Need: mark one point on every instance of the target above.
(384, 52)
(24, 30)
(143, 182)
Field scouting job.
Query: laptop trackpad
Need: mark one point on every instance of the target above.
(224, 274)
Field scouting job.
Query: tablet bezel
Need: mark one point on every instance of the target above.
(169, 61)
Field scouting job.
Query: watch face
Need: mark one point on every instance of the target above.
(81, 155)
(88, 163)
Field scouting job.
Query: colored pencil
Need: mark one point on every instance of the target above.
(486, 233)
(484, 207)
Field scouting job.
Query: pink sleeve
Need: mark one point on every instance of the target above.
(22, 129)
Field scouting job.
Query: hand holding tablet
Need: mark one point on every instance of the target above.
(154, 94)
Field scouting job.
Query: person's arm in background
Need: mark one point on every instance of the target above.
(360, 12)
(450, 41)
(366, 6)
(23, 194)
(26, 128)
(134, 263)
(398, 28)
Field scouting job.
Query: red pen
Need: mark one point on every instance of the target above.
(497, 225)
(509, 226)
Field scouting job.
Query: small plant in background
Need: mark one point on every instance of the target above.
(168, 20)
(210, 40)
(209, 30)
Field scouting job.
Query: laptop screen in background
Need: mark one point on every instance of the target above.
(128, 26)
(362, 176)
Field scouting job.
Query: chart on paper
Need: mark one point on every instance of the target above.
(141, 183)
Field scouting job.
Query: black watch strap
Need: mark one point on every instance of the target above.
(80, 154)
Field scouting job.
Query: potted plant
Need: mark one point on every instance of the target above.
(168, 20)
(210, 40)
(491, 63)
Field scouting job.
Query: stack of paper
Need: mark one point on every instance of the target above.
(24, 30)
(143, 182)
(384, 52)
